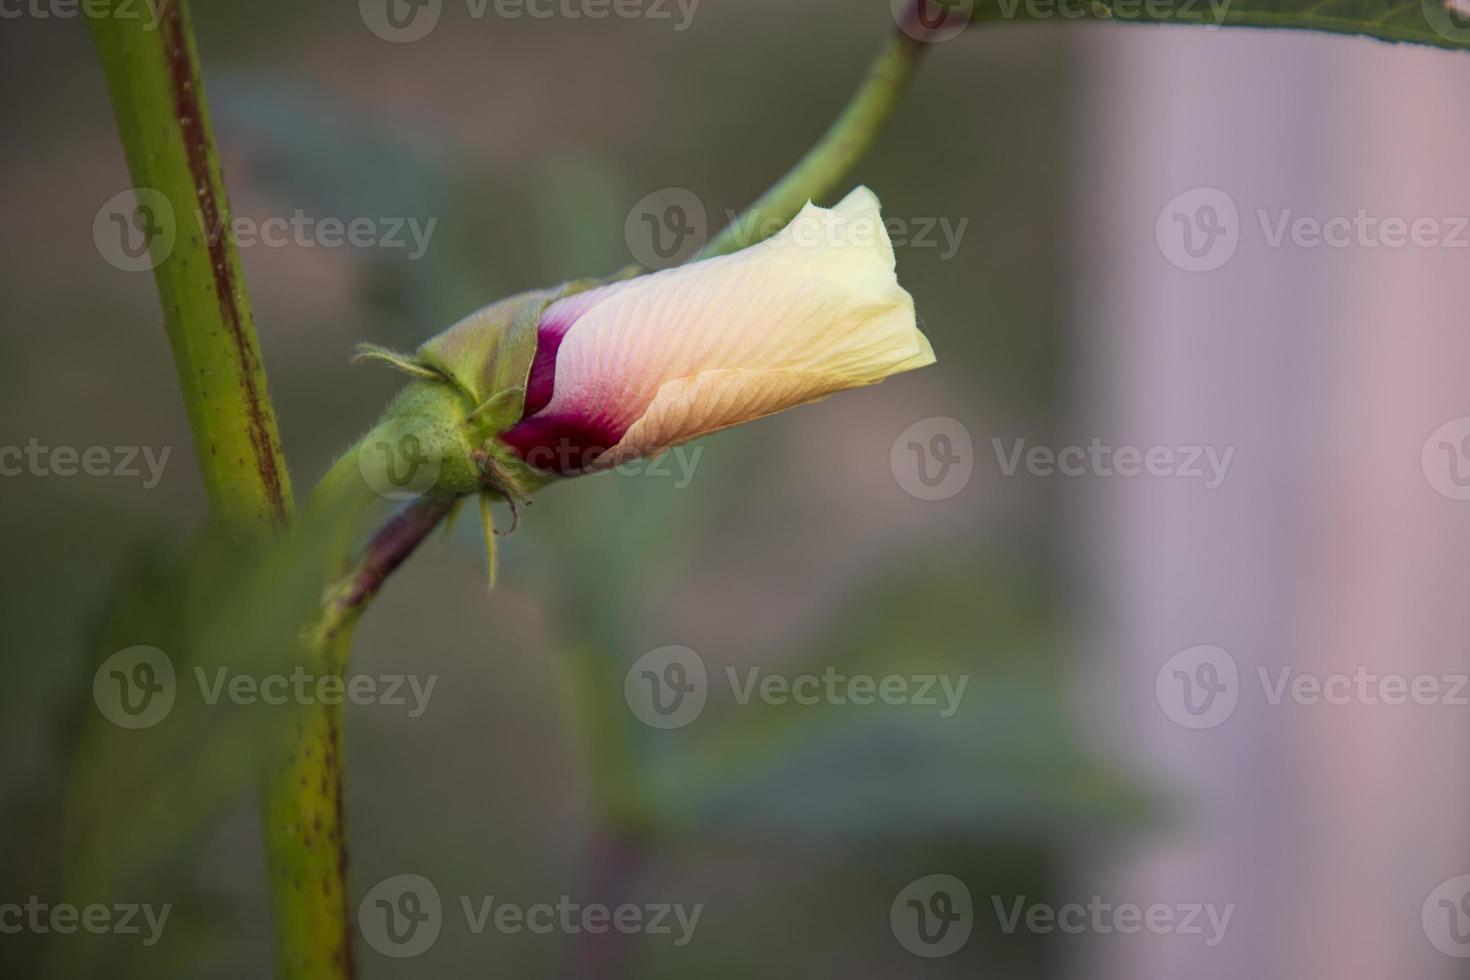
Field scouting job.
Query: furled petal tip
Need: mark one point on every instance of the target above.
(632, 368)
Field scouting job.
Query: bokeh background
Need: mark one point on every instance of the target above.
(804, 542)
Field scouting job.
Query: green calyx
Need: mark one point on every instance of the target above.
(440, 436)
(470, 386)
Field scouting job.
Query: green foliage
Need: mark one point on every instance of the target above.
(141, 803)
(1009, 762)
(1431, 22)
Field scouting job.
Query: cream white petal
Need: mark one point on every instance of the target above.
(714, 400)
(815, 309)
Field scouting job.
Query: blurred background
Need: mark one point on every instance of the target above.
(1101, 228)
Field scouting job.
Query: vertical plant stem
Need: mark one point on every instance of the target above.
(153, 80)
(304, 804)
(306, 853)
(835, 154)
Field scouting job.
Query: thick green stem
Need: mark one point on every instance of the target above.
(836, 153)
(304, 797)
(306, 849)
(153, 80)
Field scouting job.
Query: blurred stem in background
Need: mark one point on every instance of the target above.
(624, 831)
(154, 84)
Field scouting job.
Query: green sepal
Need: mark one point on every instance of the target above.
(487, 522)
(491, 418)
(469, 387)
(489, 353)
(403, 362)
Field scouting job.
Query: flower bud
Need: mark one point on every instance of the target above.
(632, 368)
(593, 374)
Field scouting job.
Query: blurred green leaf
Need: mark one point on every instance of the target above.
(160, 752)
(1008, 762)
(1432, 22)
